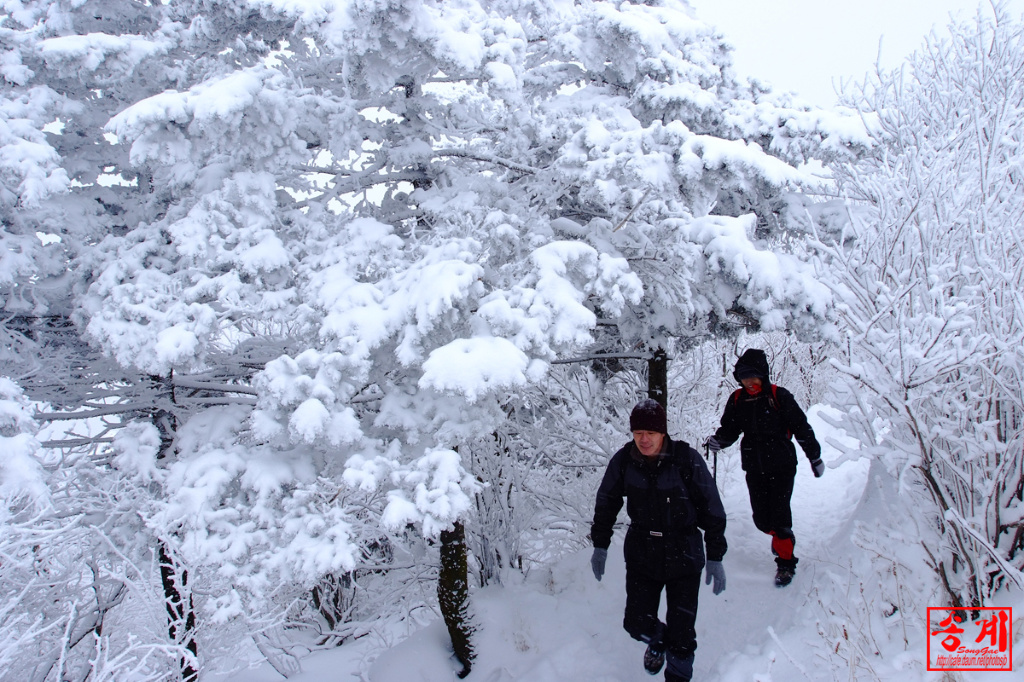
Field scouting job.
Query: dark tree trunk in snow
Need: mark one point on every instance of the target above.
(181, 616)
(657, 377)
(453, 594)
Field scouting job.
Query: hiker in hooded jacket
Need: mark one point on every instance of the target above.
(670, 498)
(768, 417)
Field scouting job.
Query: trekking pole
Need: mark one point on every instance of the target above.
(714, 467)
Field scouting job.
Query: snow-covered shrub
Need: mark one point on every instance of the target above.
(77, 575)
(927, 273)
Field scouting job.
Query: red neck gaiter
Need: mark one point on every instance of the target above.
(753, 390)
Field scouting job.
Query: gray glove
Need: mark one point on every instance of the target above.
(818, 467)
(713, 444)
(715, 572)
(597, 562)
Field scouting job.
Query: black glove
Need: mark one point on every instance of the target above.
(716, 573)
(712, 444)
(597, 562)
(818, 467)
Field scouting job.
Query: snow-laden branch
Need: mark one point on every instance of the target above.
(603, 356)
(1010, 570)
(180, 381)
(487, 158)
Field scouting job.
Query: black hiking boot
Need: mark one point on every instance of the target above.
(784, 576)
(653, 660)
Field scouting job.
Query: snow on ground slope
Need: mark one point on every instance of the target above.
(561, 625)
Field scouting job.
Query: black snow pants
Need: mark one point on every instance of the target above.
(770, 495)
(678, 635)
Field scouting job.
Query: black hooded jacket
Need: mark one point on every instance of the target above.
(668, 498)
(768, 422)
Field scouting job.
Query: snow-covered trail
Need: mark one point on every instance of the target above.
(561, 625)
(753, 609)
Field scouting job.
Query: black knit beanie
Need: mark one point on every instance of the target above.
(648, 415)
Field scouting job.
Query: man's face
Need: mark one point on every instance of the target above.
(648, 442)
(752, 384)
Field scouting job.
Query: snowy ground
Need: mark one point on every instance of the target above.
(561, 625)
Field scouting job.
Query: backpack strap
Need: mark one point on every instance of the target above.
(774, 402)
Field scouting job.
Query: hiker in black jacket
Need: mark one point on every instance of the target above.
(670, 498)
(768, 417)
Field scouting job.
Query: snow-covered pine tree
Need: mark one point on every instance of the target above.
(384, 220)
(71, 196)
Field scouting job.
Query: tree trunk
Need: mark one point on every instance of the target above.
(453, 594)
(657, 377)
(181, 617)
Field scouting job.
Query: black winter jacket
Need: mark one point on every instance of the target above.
(669, 499)
(768, 421)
